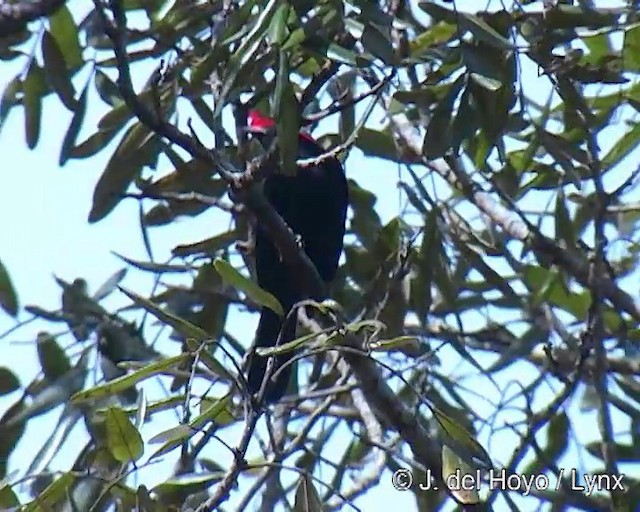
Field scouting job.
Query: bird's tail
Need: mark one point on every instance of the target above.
(269, 328)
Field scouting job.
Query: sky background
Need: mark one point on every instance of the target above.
(44, 231)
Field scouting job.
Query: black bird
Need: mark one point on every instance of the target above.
(313, 203)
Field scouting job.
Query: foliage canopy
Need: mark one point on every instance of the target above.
(468, 324)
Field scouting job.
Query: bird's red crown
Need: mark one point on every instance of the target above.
(258, 122)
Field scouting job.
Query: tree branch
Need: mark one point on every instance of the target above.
(547, 250)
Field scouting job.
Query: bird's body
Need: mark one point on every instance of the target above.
(313, 203)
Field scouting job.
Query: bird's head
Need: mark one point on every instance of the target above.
(260, 126)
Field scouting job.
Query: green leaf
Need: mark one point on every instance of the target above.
(380, 144)
(56, 71)
(572, 16)
(482, 31)
(8, 296)
(437, 140)
(34, 87)
(622, 148)
(126, 381)
(9, 98)
(435, 35)
(70, 137)
(343, 55)
(218, 411)
(116, 118)
(123, 439)
(208, 246)
(53, 495)
(277, 31)
(188, 483)
(377, 43)
(8, 498)
(286, 347)
(247, 286)
(177, 433)
(107, 89)
(156, 268)
(287, 114)
(461, 442)
(483, 66)
(454, 468)
(93, 144)
(246, 51)
(53, 360)
(8, 382)
(185, 328)
(65, 32)
(123, 167)
(392, 343)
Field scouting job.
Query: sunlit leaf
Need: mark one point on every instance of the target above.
(126, 381)
(123, 439)
(247, 286)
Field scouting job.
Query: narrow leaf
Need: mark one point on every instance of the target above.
(8, 296)
(126, 381)
(247, 286)
(179, 324)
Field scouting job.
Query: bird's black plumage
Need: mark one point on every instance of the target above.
(313, 203)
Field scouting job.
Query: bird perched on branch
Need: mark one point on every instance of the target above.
(313, 202)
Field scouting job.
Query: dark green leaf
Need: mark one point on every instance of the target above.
(8, 296)
(209, 247)
(34, 87)
(9, 98)
(437, 140)
(156, 268)
(247, 286)
(123, 383)
(461, 442)
(107, 89)
(622, 148)
(376, 42)
(65, 32)
(564, 226)
(278, 27)
(482, 31)
(179, 324)
(125, 165)
(53, 495)
(287, 114)
(70, 137)
(56, 70)
(8, 498)
(483, 66)
(53, 360)
(8, 383)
